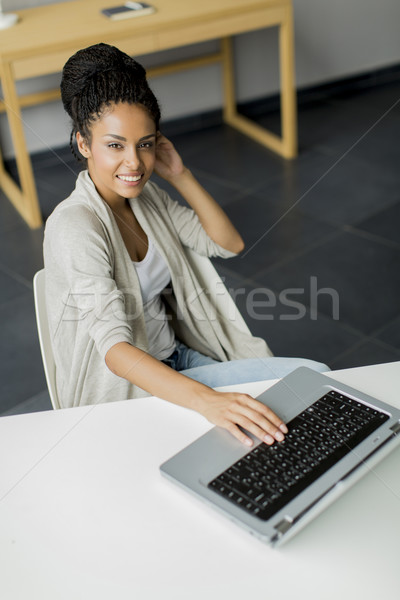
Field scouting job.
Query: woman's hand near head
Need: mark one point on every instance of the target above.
(215, 222)
(168, 163)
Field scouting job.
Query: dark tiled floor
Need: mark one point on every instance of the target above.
(320, 275)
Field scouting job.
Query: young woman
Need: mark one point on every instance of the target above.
(127, 315)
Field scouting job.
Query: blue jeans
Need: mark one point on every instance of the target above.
(213, 373)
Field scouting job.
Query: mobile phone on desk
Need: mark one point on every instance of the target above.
(127, 10)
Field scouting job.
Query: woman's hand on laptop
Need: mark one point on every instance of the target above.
(231, 410)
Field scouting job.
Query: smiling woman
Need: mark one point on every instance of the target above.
(121, 153)
(127, 314)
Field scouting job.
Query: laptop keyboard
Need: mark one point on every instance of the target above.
(268, 477)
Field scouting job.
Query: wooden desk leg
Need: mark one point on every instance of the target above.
(229, 111)
(25, 200)
(285, 146)
(288, 86)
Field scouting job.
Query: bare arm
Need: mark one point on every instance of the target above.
(227, 410)
(215, 222)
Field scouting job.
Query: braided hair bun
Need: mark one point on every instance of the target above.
(97, 76)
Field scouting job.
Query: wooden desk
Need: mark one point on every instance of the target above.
(85, 514)
(47, 36)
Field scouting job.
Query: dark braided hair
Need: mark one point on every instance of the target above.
(97, 76)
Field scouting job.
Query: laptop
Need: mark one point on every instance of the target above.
(336, 435)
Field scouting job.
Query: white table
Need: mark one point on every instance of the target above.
(85, 514)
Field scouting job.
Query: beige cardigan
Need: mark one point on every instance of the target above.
(93, 295)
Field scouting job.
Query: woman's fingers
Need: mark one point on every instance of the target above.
(258, 425)
(234, 411)
(268, 413)
(261, 414)
(238, 433)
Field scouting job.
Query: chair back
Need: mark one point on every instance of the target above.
(44, 336)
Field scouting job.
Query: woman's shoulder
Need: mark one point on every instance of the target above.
(72, 212)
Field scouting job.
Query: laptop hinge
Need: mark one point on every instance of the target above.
(284, 525)
(396, 428)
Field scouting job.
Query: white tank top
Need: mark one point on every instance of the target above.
(154, 276)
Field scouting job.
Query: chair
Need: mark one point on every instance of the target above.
(44, 336)
(207, 275)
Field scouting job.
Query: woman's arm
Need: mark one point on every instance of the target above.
(215, 222)
(227, 410)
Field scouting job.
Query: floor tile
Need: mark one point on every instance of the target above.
(298, 178)
(271, 234)
(39, 402)
(229, 155)
(338, 191)
(382, 131)
(382, 96)
(9, 217)
(361, 276)
(332, 124)
(21, 251)
(21, 369)
(11, 287)
(385, 224)
(222, 191)
(54, 184)
(390, 333)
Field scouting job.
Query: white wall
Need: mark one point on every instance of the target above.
(334, 39)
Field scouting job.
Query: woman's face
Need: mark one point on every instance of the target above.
(121, 154)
